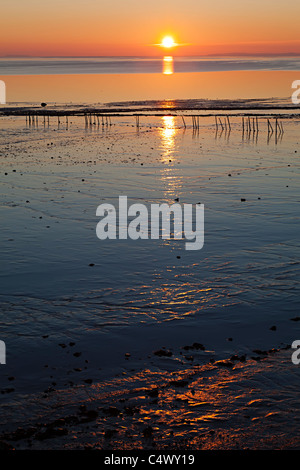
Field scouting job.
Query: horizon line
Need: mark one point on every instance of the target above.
(232, 54)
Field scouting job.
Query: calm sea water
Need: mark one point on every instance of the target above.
(38, 66)
(111, 79)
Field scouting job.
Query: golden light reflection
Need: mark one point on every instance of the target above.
(168, 67)
(169, 174)
(168, 132)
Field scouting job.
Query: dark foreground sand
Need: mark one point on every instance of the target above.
(238, 403)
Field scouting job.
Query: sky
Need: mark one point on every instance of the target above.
(134, 27)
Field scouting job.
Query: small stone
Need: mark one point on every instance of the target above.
(163, 353)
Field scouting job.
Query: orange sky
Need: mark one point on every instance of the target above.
(131, 27)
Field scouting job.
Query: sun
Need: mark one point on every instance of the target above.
(168, 42)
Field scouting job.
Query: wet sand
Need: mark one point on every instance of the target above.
(120, 341)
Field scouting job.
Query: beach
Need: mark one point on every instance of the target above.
(149, 205)
(139, 343)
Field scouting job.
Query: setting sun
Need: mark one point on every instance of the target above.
(168, 42)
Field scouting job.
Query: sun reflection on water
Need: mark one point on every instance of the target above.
(169, 173)
(167, 134)
(168, 68)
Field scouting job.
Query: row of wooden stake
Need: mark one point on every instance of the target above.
(248, 124)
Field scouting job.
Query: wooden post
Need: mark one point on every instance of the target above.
(271, 126)
(281, 127)
(229, 123)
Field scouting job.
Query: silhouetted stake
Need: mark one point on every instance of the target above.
(276, 127)
(216, 123)
(270, 126)
(221, 124)
(184, 124)
(281, 126)
(256, 124)
(229, 123)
